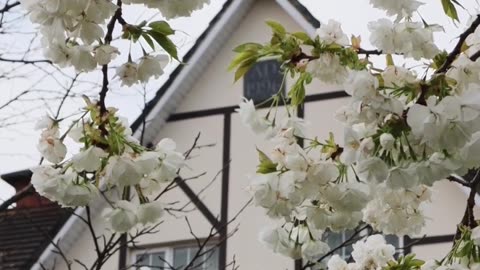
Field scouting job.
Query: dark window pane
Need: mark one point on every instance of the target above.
(211, 260)
(153, 260)
(183, 256)
(392, 240)
(333, 240)
(142, 260)
(180, 257)
(348, 249)
(263, 81)
(158, 260)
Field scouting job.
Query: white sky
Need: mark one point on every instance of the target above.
(18, 150)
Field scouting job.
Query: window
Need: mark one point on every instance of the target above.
(263, 80)
(183, 256)
(178, 257)
(154, 259)
(336, 239)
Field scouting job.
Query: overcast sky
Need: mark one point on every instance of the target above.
(18, 149)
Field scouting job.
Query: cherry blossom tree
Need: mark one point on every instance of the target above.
(111, 164)
(405, 129)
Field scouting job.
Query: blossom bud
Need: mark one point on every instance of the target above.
(387, 141)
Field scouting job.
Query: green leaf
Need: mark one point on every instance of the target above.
(450, 10)
(250, 46)
(162, 27)
(277, 28)
(266, 164)
(132, 32)
(390, 60)
(302, 36)
(439, 59)
(244, 68)
(165, 43)
(240, 58)
(149, 40)
(297, 93)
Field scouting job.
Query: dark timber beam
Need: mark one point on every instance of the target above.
(227, 127)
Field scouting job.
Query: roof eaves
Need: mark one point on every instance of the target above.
(170, 95)
(186, 58)
(15, 176)
(183, 77)
(306, 13)
(301, 15)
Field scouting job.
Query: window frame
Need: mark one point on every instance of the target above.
(167, 248)
(140, 251)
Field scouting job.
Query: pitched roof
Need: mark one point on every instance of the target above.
(299, 7)
(305, 13)
(160, 92)
(25, 233)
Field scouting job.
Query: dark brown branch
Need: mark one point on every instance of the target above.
(369, 52)
(23, 61)
(347, 242)
(458, 180)
(7, 7)
(458, 48)
(108, 39)
(92, 232)
(468, 219)
(475, 56)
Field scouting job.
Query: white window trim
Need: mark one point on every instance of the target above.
(168, 250)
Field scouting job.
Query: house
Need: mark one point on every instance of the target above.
(201, 97)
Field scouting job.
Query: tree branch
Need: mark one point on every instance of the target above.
(7, 7)
(108, 39)
(458, 48)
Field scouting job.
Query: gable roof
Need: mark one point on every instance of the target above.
(160, 111)
(170, 94)
(25, 233)
(305, 13)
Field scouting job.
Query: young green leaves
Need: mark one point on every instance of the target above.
(450, 10)
(155, 32)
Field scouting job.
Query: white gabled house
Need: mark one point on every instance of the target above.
(201, 97)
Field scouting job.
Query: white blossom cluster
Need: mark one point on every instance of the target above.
(71, 31)
(148, 67)
(297, 187)
(371, 253)
(402, 134)
(328, 67)
(412, 39)
(171, 9)
(113, 161)
(296, 242)
(73, 34)
(401, 9)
